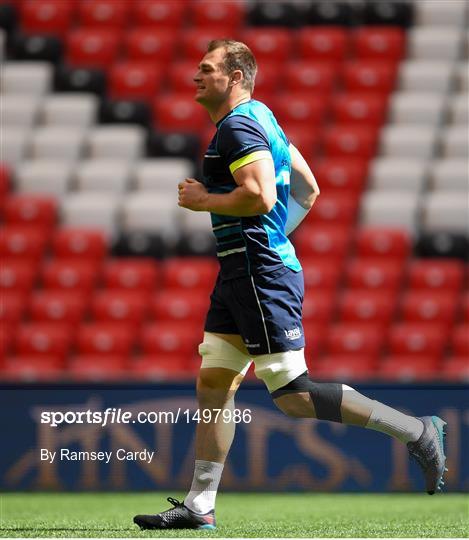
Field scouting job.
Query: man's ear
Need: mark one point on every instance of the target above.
(236, 77)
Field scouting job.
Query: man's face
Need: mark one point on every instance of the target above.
(212, 83)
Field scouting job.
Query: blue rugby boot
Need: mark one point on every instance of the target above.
(429, 452)
(178, 517)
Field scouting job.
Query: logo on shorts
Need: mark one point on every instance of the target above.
(294, 333)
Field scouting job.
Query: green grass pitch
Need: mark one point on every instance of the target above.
(106, 515)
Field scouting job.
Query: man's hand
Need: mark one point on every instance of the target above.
(193, 195)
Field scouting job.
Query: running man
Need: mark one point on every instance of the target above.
(258, 188)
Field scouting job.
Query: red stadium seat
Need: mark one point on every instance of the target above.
(131, 274)
(369, 76)
(150, 45)
(120, 306)
(409, 368)
(305, 138)
(268, 43)
(105, 338)
(98, 367)
(22, 242)
(367, 306)
(179, 112)
(80, 243)
(315, 336)
(301, 76)
(103, 13)
(334, 209)
(330, 241)
(31, 210)
(379, 43)
(346, 367)
(190, 273)
(320, 273)
(6, 341)
(268, 78)
(350, 141)
(159, 14)
(46, 17)
(32, 368)
(5, 182)
(343, 175)
(164, 338)
(465, 306)
(16, 275)
(455, 368)
(92, 47)
(181, 77)
(194, 41)
(12, 304)
(436, 274)
(460, 340)
(383, 242)
(70, 274)
(410, 338)
(428, 306)
(206, 13)
(324, 43)
(355, 339)
(302, 108)
(57, 306)
(372, 273)
(134, 80)
(180, 305)
(318, 305)
(44, 338)
(359, 108)
(160, 368)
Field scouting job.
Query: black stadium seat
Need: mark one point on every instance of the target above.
(69, 79)
(38, 47)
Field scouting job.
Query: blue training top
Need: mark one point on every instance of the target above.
(257, 244)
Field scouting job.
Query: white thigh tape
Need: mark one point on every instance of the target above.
(218, 353)
(278, 369)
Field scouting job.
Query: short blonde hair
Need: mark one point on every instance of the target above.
(237, 56)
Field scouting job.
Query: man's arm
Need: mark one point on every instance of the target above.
(255, 194)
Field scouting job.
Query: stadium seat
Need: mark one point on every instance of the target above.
(103, 14)
(57, 143)
(369, 76)
(367, 306)
(268, 43)
(178, 113)
(334, 209)
(46, 17)
(406, 368)
(390, 209)
(465, 307)
(181, 77)
(134, 80)
(162, 174)
(44, 177)
(159, 14)
(164, 338)
(196, 234)
(17, 275)
(408, 141)
(442, 244)
(420, 75)
(179, 305)
(302, 76)
(6, 342)
(460, 340)
(299, 108)
(189, 273)
(322, 240)
(131, 274)
(12, 307)
(315, 337)
(389, 13)
(98, 367)
(174, 144)
(454, 141)
(30, 78)
(378, 242)
(82, 243)
(128, 307)
(359, 108)
(325, 13)
(320, 273)
(455, 368)
(69, 109)
(92, 47)
(374, 273)
(344, 367)
(116, 142)
(418, 338)
(5, 183)
(318, 305)
(416, 108)
(268, 80)
(304, 138)
(105, 338)
(398, 174)
(445, 211)
(282, 15)
(103, 175)
(350, 142)
(435, 43)
(436, 274)
(157, 367)
(428, 306)
(67, 306)
(379, 43)
(30, 210)
(194, 41)
(73, 274)
(150, 45)
(23, 242)
(355, 338)
(19, 110)
(70, 79)
(448, 174)
(32, 368)
(431, 14)
(328, 44)
(341, 175)
(13, 149)
(462, 76)
(44, 338)
(94, 210)
(227, 14)
(125, 112)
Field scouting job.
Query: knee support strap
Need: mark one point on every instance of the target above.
(218, 353)
(326, 397)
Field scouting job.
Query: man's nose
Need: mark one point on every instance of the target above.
(196, 77)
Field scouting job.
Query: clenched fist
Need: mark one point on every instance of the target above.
(192, 194)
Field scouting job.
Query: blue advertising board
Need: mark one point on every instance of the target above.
(135, 437)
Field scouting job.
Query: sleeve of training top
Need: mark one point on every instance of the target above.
(242, 140)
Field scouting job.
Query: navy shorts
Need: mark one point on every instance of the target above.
(264, 309)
